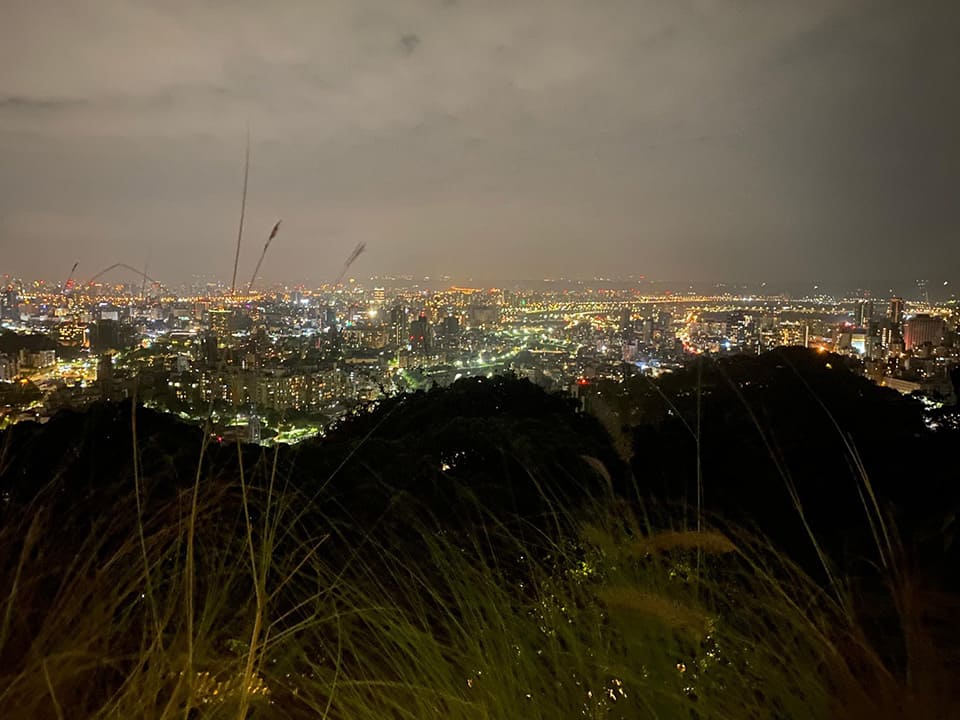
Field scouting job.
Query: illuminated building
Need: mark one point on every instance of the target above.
(220, 323)
(481, 315)
(208, 348)
(886, 334)
(37, 359)
(398, 325)
(896, 310)
(858, 340)
(448, 334)
(10, 304)
(794, 334)
(647, 332)
(360, 337)
(420, 341)
(329, 317)
(9, 368)
(923, 329)
(72, 333)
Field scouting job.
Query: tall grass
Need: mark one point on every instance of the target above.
(241, 597)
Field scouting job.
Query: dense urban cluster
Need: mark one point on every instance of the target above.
(282, 365)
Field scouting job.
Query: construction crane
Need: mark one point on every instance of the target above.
(125, 267)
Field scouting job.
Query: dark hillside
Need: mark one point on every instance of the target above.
(796, 418)
(502, 445)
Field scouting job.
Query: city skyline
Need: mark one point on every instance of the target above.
(308, 356)
(499, 142)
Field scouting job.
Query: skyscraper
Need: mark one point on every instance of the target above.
(329, 316)
(449, 332)
(420, 340)
(208, 348)
(398, 325)
(896, 310)
(647, 332)
(220, 323)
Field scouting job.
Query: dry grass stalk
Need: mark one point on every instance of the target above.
(666, 610)
(707, 541)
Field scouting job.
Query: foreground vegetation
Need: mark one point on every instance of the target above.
(515, 578)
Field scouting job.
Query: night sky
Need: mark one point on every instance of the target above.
(681, 139)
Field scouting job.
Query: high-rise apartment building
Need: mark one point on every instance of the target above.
(398, 325)
(220, 319)
(923, 329)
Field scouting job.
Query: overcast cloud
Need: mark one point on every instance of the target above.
(700, 139)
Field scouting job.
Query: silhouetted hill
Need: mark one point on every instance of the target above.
(434, 516)
(500, 446)
(796, 418)
(505, 449)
